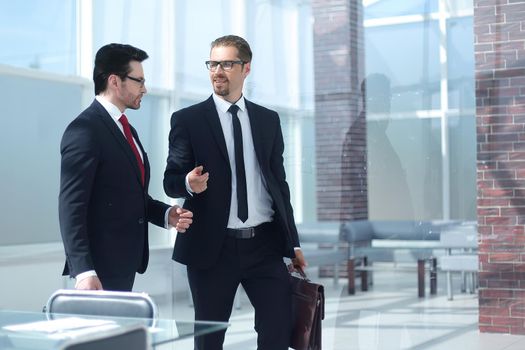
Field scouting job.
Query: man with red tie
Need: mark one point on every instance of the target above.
(104, 206)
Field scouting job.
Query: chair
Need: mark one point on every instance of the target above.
(129, 338)
(463, 239)
(101, 303)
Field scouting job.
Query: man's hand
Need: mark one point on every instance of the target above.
(180, 218)
(299, 262)
(89, 283)
(197, 180)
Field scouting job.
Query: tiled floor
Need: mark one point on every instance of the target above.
(389, 317)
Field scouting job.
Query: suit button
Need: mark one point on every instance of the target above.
(141, 221)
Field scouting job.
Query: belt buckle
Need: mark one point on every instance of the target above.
(248, 233)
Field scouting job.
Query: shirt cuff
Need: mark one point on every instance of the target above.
(296, 248)
(82, 276)
(166, 219)
(187, 182)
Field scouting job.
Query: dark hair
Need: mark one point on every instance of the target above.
(245, 53)
(114, 59)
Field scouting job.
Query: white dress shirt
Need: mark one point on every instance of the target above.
(259, 200)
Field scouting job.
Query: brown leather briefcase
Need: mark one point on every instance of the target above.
(307, 313)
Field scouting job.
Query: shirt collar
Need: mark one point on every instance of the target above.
(223, 105)
(113, 110)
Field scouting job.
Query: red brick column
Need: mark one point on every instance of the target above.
(499, 28)
(340, 131)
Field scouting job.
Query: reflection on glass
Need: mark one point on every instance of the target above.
(388, 191)
(463, 191)
(405, 131)
(354, 169)
(409, 55)
(460, 59)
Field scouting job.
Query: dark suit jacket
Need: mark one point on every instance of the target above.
(103, 208)
(196, 138)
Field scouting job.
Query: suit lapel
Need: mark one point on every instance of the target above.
(257, 128)
(213, 119)
(121, 140)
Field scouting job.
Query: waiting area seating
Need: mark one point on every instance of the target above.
(324, 233)
(360, 243)
(461, 246)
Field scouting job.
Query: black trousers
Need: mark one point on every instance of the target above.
(122, 284)
(255, 264)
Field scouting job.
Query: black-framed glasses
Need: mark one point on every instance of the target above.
(226, 65)
(141, 81)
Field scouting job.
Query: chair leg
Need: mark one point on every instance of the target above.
(470, 282)
(364, 276)
(433, 276)
(449, 285)
(421, 278)
(370, 274)
(350, 268)
(336, 275)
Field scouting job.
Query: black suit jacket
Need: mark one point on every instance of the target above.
(103, 208)
(196, 138)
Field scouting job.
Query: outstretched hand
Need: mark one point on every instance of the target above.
(180, 218)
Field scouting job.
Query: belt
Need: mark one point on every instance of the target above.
(248, 232)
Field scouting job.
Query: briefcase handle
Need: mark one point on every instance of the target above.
(297, 270)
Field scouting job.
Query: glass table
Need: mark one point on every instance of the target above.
(38, 330)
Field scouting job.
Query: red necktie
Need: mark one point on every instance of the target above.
(127, 131)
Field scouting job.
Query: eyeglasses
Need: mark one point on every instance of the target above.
(141, 81)
(226, 65)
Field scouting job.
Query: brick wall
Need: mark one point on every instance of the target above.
(340, 131)
(499, 28)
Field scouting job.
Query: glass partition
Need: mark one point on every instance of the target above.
(417, 56)
(419, 104)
